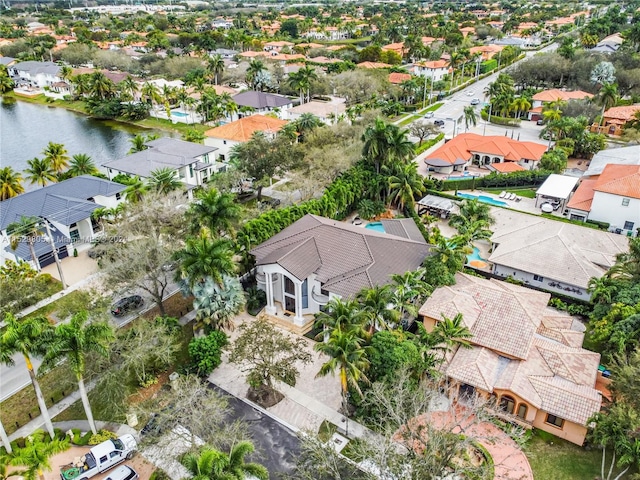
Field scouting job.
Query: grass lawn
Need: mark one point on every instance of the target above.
(162, 124)
(553, 458)
(522, 192)
(410, 119)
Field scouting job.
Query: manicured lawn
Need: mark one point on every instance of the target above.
(410, 119)
(161, 124)
(522, 192)
(553, 458)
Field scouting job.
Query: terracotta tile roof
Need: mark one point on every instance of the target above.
(583, 196)
(507, 167)
(242, 130)
(625, 113)
(556, 94)
(433, 65)
(623, 180)
(344, 257)
(397, 78)
(463, 145)
(555, 377)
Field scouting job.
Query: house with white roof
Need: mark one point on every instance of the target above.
(316, 259)
(556, 190)
(525, 356)
(549, 254)
(67, 207)
(192, 163)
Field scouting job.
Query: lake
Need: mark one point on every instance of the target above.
(27, 128)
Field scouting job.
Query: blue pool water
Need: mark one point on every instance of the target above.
(377, 226)
(177, 113)
(475, 256)
(484, 199)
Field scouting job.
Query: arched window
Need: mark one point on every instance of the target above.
(507, 404)
(522, 411)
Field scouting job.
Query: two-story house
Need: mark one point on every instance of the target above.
(35, 74)
(612, 197)
(192, 163)
(261, 102)
(434, 70)
(67, 207)
(545, 97)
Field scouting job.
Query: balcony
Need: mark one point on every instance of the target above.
(319, 298)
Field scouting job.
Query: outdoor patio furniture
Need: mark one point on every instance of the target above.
(518, 199)
(503, 194)
(512, 196)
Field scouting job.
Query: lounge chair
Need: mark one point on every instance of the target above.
(503, 194)
(518, 199)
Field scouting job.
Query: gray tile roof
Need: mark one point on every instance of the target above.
(33, 67)
(402, 227)
(40, 247)
(162, 153)
(65, 202)
(6, 60)
(260, 100)
(345, 258)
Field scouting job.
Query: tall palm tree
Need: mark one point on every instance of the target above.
(100, 86)
(471, 209)
(150, 93)
(447, 333)
(40, 171)
(404, 185)
(347, 354)
(25, 336)
(256, 67)
(306, 122)
(470, 117)
(213, 210)
(27, 229)
(409, 292)
(344, 314)
(136, 189)
(204, 257)
(73, 341)
(400, 148)
(473, 230)
(129, 87)
(385, 143)
(212, 464)
(520, 105)
(215, 65)
(607, 96)
(10, 183)
(82, 164)
(164, 180)
(376, 302)
(36, 455)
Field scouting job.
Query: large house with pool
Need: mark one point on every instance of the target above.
(316, 259)
(496, 153)
(524, 355)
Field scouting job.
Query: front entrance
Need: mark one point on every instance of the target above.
(290, 304)
(289, 295)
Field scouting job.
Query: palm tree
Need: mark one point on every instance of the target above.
(36, 455)
(216, 304)
(212, 464)
(238, 469)
(40, 171)
(470, 117)
(301, 81)
(601, 289)
(256, 67)
(607, 96)
(204, 257)
(409, 292)
(136, 189)
(10, 183)
(129, 87)
(82, 164)
(6, 84)
(100, 86)
(446, 335)
(341, 314)
(25, 336)
(376, 302)
(306, 122)
(150, 93)
(213, 210)
(400, 148)
(520, 105)
(385, 143)
(404, 184)
(73, 341)
(27, 229)
(215, 65)
(473, 230)
(471, 209)
(347, 355)
(164, 180)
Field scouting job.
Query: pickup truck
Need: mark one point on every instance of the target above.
(100, 458)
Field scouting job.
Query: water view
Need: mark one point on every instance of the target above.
(26, 128)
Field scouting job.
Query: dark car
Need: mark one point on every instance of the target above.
(438, 123)
(126, 304)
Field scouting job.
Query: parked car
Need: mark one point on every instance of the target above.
(126, 304)
(469, 93)
(123, 473)
(102, 457)
(438, 123)
(475, 101)
(540, 121)
(428, 115)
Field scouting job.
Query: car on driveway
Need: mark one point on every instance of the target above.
(475, 101)
(126, 304)
(438, 123)
(123, 473)
(428, 115)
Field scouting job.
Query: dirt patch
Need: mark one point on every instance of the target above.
(144, 394)
(264, 396)
(176, 306)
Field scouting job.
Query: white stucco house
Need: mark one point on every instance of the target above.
(613, 197)
(434, 70)
(67, 207)
(192, 163)
(316, 259)
(35, 74)
(327, 112)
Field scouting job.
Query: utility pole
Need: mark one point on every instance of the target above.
(55, 252)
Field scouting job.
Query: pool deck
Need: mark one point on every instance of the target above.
(527, 205)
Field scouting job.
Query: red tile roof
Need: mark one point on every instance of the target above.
(583, 196)
(623, 180)
(625, 113)
(397, 78)
(555, 94)
(242, 130)
(507, 167)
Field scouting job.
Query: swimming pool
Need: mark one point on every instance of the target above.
(178, 113)
(484, 199)
(377, 226)
(475, 260)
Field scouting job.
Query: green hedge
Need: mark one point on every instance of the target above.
(510, 122)
(523, 178)
(429, 143)
(463, 184)
(600, 225)
(488, 66)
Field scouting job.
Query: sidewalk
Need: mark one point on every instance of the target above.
(38, 422)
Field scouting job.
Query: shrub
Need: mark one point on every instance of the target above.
(511, 122)
(256, 300)
(600, 225)
(101, 436)
(368, 208)
(429, 143)
(206, 352)
(159, 474)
